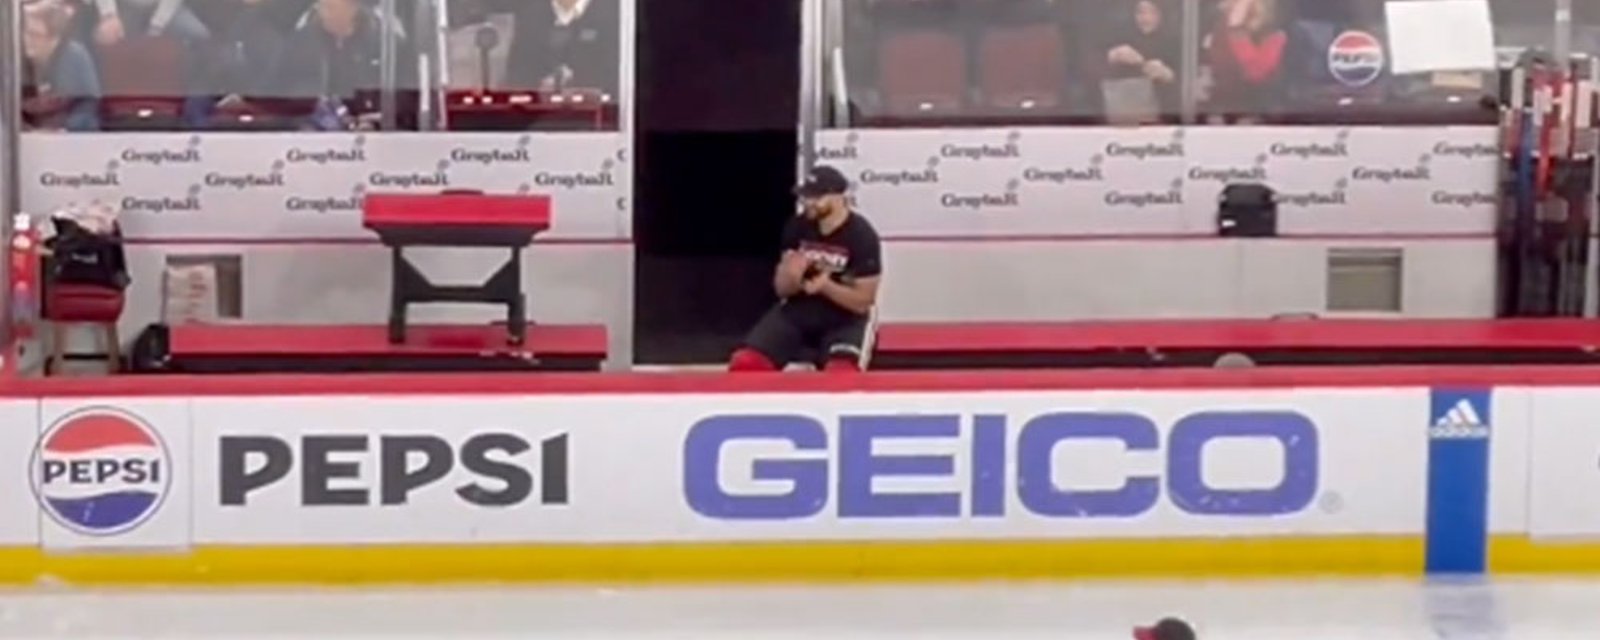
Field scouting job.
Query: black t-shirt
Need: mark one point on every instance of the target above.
(851, 252)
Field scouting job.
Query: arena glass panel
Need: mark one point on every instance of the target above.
(1021, 136)
(251, 177)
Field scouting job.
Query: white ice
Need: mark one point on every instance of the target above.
(1344, 610)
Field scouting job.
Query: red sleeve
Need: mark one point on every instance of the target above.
(1257, 62)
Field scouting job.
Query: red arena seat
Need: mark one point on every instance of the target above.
(922, 72)
(1023, 67)
(143, 78)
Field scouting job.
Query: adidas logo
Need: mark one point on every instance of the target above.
(1461, 422)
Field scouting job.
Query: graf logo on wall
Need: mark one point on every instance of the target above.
(1472, 151)
(1338, 147)
(515, 154)
(354, 153)
(1464, 200)
(1008, 199)
(1356, 58)
(604, 178)
(847, 152)
(188, 202)
(188, 154)
(101, 471)
(439, 179)
(929, 174)
(1173, 196)
(1093, 171)
(1009, 149)
(1146, 151)
(328, 204)
(1421, 172)
(1254, 172)
(272, 178)
(110, 177)
(1335, 197)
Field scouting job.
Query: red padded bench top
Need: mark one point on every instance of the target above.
(1225, 335)
(455, 210)
(356, 341)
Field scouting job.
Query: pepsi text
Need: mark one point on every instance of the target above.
(330, 468)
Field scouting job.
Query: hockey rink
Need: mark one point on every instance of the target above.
(1266, 610)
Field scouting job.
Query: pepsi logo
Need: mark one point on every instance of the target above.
(101, 471)
(1356, 58)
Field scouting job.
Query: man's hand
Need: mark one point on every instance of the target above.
(110, 31)
(815, 284)
(789, 278)
(1158, 72)
(795, 264)
(1126, 55)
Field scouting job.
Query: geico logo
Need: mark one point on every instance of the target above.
(1309, 150)
(1390, 174)
(325, 156)
(573, 180)
(405, 180)
(980, 152)
(78, 180)
(1144, 151)
(897, 178)
(1228, 174)
(160, 156)
(1066, 174)
(346, 470)
(771, 467)
(1476, 199)
(491, 156)
(979, 201)
(241, 182)
(837, 153)
(1475, 150)
(160, 205)
(1313, 199)
(323, 205)
(1142, 200)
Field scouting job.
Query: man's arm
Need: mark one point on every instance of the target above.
(788, 279)
(858, 297)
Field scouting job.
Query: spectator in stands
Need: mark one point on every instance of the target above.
(564, 44)
(242, 60)
(247, 49)
(119, 18)
(335, 59)
(1245, 56)
(1143, 58)
(61, 88)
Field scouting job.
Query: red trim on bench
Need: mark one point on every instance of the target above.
(1013, 337)
(679, 383)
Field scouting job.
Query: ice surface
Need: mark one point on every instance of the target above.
(1344, 610)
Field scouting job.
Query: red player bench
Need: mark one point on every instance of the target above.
(1203, 342)
(247, 348)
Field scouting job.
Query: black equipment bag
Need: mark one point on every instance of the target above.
(1247, 211)
(80, 257)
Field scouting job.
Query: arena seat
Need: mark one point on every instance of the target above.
(143, 79)
(922, 72)
(1202, 343)
(1023, 68)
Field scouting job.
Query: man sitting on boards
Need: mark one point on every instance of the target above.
(827, 285)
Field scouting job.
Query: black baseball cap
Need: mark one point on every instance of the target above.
(1166, 629)
(823, 181)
